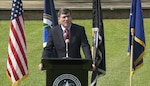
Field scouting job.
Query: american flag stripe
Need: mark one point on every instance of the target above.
(13, 75)
(17, 67)
(20, 43)
(21, 51)
(16, 60)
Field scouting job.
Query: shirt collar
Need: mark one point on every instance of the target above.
(63, 28)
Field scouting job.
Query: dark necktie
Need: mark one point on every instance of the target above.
(66, 36)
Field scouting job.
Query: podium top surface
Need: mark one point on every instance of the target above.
(66, 62)
(65, 58)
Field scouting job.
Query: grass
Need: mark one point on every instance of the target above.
(117, 62)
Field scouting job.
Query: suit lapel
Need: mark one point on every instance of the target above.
(72, 33)
(60, 35)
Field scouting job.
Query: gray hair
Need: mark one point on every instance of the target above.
(63, 11)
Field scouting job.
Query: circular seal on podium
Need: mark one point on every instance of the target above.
(67, 80)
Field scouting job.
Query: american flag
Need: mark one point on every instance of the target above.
(17, 67)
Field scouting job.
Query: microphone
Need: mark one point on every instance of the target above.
(67, 45)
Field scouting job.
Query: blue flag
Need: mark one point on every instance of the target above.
(138, 38)
(49, 19)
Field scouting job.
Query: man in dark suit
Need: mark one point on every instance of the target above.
(67, 43)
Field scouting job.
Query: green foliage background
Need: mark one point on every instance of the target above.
(116, 41)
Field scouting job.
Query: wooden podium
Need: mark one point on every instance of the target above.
(66, 72)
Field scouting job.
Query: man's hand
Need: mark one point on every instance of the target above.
(93, 67)
(40, 66)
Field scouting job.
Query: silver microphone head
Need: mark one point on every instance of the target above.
(67, 41)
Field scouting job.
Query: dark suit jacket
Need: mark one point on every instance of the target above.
(77, 39)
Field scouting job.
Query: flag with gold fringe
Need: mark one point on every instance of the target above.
(136, 35)
(17, 67)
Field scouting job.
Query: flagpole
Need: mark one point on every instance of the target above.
(93, 46)
(95, 31)
(131, 57)
(131, 61)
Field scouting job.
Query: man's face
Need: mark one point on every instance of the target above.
(65, 20)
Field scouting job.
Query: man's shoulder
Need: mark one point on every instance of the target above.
(77, 25)
(57, 26)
